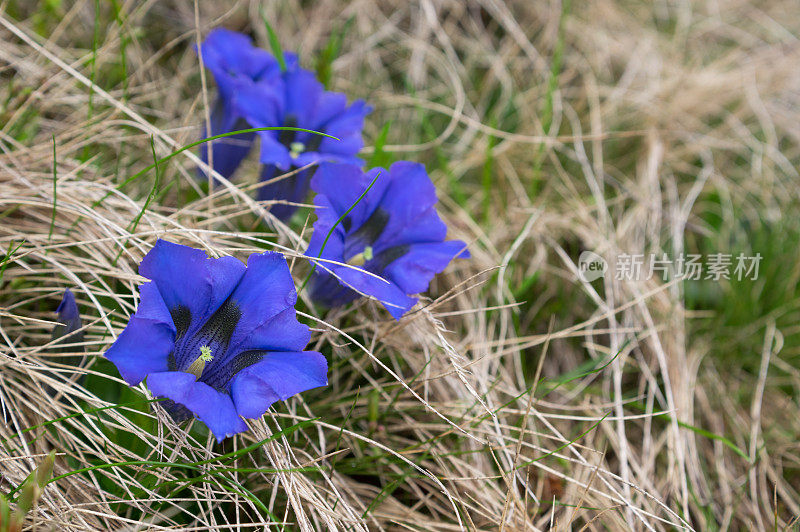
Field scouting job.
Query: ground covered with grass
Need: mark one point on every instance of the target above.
(519, 394)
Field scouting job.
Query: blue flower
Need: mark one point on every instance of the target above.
(393, 232)
(69, 320)
(218, 339)
(235, 63)
(298, 99)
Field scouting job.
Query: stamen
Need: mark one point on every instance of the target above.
(196, 368)
(296, 148)
(205, 353)
(361, 258)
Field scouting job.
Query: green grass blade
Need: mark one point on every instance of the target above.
(274, 42)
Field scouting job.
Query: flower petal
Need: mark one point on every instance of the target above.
(329, 106)
(265, 291)
(293, 188)
(187, 278)
(413, 271)
(426, 227)
(69, 318)
(273, 152)
(148, 339)
(234, 60)
(388, 293)
(277, 377)
(260, 103)
(212, 407)
(228, 152)
(409, 195)
(346, 127)
(303, 91)
(281, 333)
(326, 218)
(342, 184)
(328, 291)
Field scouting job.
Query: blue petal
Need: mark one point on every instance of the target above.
(327, 290)
(409, 196)
(273, 152)
(213, 408)
(265, 291)
(303, 91)
(233, 60)
(309, 157)
(187, 277)
(393, 298)
(260, 103)
(330, 106)
(293, 188)
(68, 313)
(348, 120)
(228, 152)
(347, 128)
(282, 332)
(326, 218)
(277, 377)
(148, 339)
(343, 150)
(413, 271)
(425, 227)
(343, 184)
(291, 60)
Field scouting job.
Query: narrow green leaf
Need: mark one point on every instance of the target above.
(274, 43)
(379, 156)
(7, 259)
(331, 52)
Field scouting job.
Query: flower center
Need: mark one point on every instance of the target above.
(361, 258)
(296, 148)
(196, 368)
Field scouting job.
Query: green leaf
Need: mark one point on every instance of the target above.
(380, 157)
(274, 43)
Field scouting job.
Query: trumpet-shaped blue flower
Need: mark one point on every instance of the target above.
(254, 92)
(235, 63)
(394, 232)
(298, 99)
(218, 339)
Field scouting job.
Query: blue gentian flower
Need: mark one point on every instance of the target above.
(69, 319)
(235, 63)
(393, 232)
(218, 339)
(298, 99)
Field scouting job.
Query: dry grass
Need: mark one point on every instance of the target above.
(669, 126)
